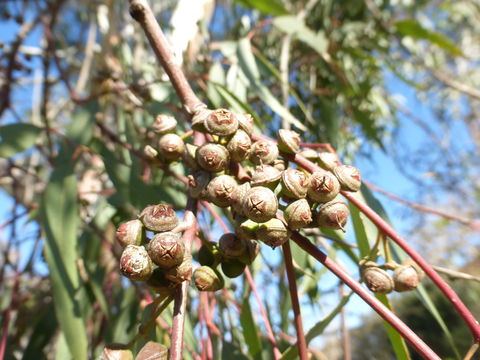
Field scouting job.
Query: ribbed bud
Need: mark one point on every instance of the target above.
(180, 272)
(295, 183)
(245, 122)
(309, 154)
(298, 214)
(221, 122)
(116, 352)
(239, 146)
(377, 280)
(349, 177)
(164, 124)
(130, 233)
(263, 152)
(324, 186)
(253, 249)
(207, 279)
(197, 184)
(279, 164)
(260, 204)
(135, 263)
(220, 190)
(231, 246)
(238, 196)
(273, 232)
(333, 215)
(166, 249)
(233, 268)
(190, 156)
(171, 146)
(213, 157)
(199, 118)
(152, 351)
(328, 161)
(158, 282)
(405, 278)
(288, 141)
(265, 175)
(150, 152)
(159, 217)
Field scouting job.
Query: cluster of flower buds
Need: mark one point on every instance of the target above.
(406, 277)
(153, 250)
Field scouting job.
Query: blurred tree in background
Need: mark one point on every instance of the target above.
(79, 91)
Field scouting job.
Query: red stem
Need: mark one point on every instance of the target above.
(371, 300)
(292, 284)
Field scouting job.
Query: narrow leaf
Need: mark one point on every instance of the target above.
(250, 331)
(269, 7)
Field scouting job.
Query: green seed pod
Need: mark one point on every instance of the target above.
(220, 190)
(207, 279)
(116, 352)
(288, 141)
(197, 184)
(260, 204)
(324, 186)
(221, 122)
(239, 146)
(298, 214)
(213, 157)
(159, 217)
(152, 351)
(164, 124)
(130, 233)
(333, 215)
(295, 183)
(273, 233)
(377, 280)
(205, 256)
(135, 263)
(230, 246)
(233, 268)
(265, 175)
(166, 249)
(246, 230)
(171, 146)
(263, 152)
(328, 161)
(349, 177)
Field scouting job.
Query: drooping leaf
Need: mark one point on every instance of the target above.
(15, 138)
(269, 7)
(250, 331)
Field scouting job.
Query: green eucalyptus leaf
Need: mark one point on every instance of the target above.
(15, 138)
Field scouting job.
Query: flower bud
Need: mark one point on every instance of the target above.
(309, 154)
(135, 263)
(253, 249)
(220, 190)
(231, 246)
(166, 249)
(245, 122)
(333, 215)
(298, 214)
(199, 117)
(295, 183)
(171, 146)
(207, 279)
(158, 282)
(246, 230)
(324, 186)
(273, 232)
(159, 217)
(181, 272)
(263, 152)
(190, 156)
(205, 256)
(164, 124)
(260, 204)
(116, 352)
(328, 161)
(238, 196)
(405, 278)
(197, 184)
(279, 164)
(288, 141)
(130, 233)
(265, 175)
(239, 146)
(377, 280)
(233, 268)
(349, 177)
(221, 122)
(152, 351)
(150, 152)
(213, 157)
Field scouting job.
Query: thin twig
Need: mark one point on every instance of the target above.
(456, 274)
(292, 284)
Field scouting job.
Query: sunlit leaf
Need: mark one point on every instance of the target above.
(271, 7)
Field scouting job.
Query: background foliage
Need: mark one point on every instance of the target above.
(80, 89)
